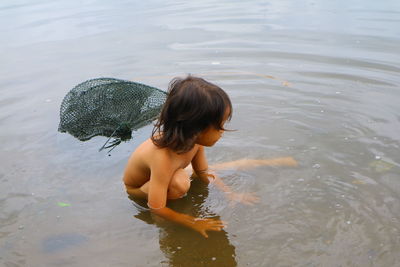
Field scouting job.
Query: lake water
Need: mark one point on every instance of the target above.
(317, 80)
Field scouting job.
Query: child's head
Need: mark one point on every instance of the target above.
(193, 106)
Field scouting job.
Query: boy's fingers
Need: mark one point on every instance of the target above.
(219, 225)
(222, 223)
(253, 199)
(290, 161)
(215, 221)
(203, 232)
(248, 202)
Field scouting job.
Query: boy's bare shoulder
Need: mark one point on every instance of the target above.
(137, 170)
(144, 152)
(148, 154)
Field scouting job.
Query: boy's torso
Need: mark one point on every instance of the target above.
(138, 172)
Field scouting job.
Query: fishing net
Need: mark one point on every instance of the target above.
(109, 107)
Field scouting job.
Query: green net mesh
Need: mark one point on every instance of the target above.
(109, 107)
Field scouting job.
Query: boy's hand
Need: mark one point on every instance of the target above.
(245, 198)
(207, 177)
(203, 225)
(287, 161)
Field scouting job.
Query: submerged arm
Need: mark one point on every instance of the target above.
(161, 176)
(243, 164)
(197, 224)
(201, 171)
(200, 165)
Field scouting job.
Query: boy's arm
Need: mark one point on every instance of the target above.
(244, 164)
(200, 166)
(161, 176)
(246, 198)
(197, 224)
(200, 169)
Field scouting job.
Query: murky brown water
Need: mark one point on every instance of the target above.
(316, 80)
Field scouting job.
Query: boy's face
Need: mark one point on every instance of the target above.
(211, 135)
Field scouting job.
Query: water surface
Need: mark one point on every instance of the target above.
(315, 80)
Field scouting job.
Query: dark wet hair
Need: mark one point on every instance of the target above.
(192, 105)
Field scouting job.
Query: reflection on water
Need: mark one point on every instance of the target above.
(315, 80)
(184, 247)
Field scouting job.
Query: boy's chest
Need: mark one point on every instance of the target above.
(183, 160)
